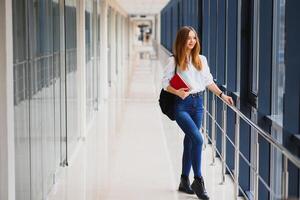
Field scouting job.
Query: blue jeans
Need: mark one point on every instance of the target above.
(188, 115)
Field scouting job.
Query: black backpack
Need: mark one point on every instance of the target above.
(167, 102)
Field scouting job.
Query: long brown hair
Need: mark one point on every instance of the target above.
(179, 49)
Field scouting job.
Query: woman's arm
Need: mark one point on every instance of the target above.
(216, 90)
(181, 92)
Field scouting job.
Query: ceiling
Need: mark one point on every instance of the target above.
(138, 7)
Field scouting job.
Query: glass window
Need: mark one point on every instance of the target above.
(71, 74)
(117, 33)
(88, 37)
(19, 31)
(278, 69)
(109, 31)
(89, 43)
(21, 103)
(278, 79)
(253, 152)
(276, 169)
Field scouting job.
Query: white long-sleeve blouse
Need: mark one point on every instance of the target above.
(197, 80)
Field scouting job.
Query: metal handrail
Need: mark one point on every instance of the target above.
(286, 154)
(265, 135)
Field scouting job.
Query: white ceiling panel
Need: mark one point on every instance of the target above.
(142, 6)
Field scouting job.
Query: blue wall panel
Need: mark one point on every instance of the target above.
(174, 21)
(231, 134)
(205, 33)
(176, 14)
(219, 109)
(209, 99)
(221, 41)
(232, 45)
(264, 166)
(212, 36)
(245, 150)
(291, 115)
(264, 92)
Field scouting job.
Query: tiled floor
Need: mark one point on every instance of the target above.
(133, 152)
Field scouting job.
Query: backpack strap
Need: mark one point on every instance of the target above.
(172, 55)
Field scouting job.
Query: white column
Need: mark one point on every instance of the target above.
(81, 65)
(7, 147)
(124, 59)
(104, 51)
(132, 41)
(113, 47)
(157, 25)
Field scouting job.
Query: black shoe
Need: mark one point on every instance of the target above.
(184, 186)
(199, 188)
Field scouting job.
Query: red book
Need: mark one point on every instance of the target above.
(178, 82)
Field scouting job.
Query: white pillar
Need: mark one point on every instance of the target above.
(7, 147)
(113, 48)
(132, 42)
(104, 51)
(157, 25)
(81, 65)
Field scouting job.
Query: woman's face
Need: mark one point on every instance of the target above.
(191, 41)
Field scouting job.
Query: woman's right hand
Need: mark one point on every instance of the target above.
(182, 93)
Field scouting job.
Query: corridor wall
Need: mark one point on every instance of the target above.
(60, 79)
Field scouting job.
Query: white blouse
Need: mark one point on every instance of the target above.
(198, 80)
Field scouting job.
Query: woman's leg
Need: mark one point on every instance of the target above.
(187, 124)
(187, 146)
(197, 118)
(187, 156)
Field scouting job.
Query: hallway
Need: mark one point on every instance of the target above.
(137, 153)
(79, 111)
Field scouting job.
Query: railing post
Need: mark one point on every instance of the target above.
(285, 179)
(224, 127)
(213, 129)
(237, 156)
(204, 118)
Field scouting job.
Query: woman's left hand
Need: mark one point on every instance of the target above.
(227, 99)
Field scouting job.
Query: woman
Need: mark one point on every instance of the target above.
(188, 107)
